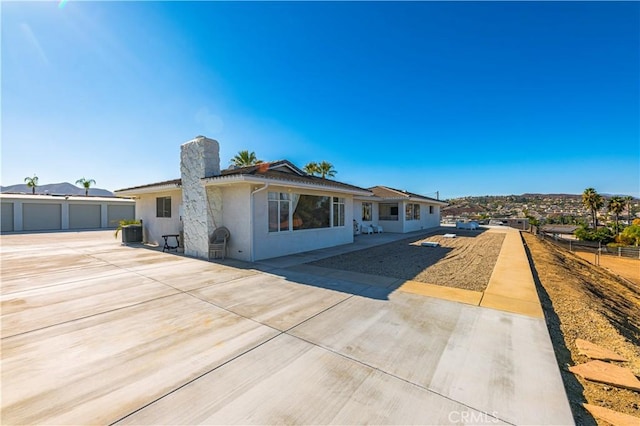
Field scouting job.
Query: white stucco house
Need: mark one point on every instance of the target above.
(271, 209)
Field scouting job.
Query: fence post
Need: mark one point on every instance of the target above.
(619, 251)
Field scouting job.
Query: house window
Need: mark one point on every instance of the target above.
(310, 211)
(430, 209)
(366, 211)
(293, 212)
(338, 211)
(279, 206)
(388, 211)
(163, 207)
(412, 212)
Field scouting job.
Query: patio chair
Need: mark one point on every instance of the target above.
(218, 242)
(377, 229)
(366, 229)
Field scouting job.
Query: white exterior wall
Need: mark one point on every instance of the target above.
(273, 244)
(426, 220)
(236, 217)
(432, 220)
(154, 227)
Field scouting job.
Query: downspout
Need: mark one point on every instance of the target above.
(251, 226)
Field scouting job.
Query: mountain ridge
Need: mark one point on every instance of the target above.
(63, 188)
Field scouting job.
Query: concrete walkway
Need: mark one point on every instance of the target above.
(93, 332)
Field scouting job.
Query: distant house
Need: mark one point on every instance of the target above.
(271, 209)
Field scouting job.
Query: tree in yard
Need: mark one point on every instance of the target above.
(628, 199)
(86, 183)
(631, 234)
(602, 235)
(311, 168)
(616, 206)
(245, 159)
(593, 202)
(32, 182)
(326, 169)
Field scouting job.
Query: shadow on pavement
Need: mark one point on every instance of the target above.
(573, 388)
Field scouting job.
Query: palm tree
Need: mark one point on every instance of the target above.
(628, 200)
(86, 183)
(616, 206)
(311, 168)
(593, 202)
(326, 169)
(245, 158)
(32, 182)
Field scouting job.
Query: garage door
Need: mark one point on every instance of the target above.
(41, 217)
(7, 217)
(116, 213)
(84, 216)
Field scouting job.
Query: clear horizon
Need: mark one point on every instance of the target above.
(464, 98)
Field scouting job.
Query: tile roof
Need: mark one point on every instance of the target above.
(392, 193)
(282, 170)
(175, 182)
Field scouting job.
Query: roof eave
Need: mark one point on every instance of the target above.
(146, 190)
(399, 199)
(226, 180)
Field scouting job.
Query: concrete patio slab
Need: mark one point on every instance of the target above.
(39, 279)
(193, 274)
(46, 306)
(404, 336)
(457, 350)
(505, 364)
(289, 381)
(29, 263)
(469, 297)
(102, 368)
(271, 300)
(144, 257)
(232, 342)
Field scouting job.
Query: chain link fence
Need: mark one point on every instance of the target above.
(589, 246)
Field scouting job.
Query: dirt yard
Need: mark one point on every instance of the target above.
(466, 261)
(625, 267)
(583, 301)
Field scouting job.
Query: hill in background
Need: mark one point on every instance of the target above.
(539, 206)
(64, 188)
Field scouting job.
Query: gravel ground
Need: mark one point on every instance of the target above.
(466, 261)
(582, 301)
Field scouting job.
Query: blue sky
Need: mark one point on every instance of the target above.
(457, 97)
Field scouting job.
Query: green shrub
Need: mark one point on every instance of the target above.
(126, 222)
(602, 235)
